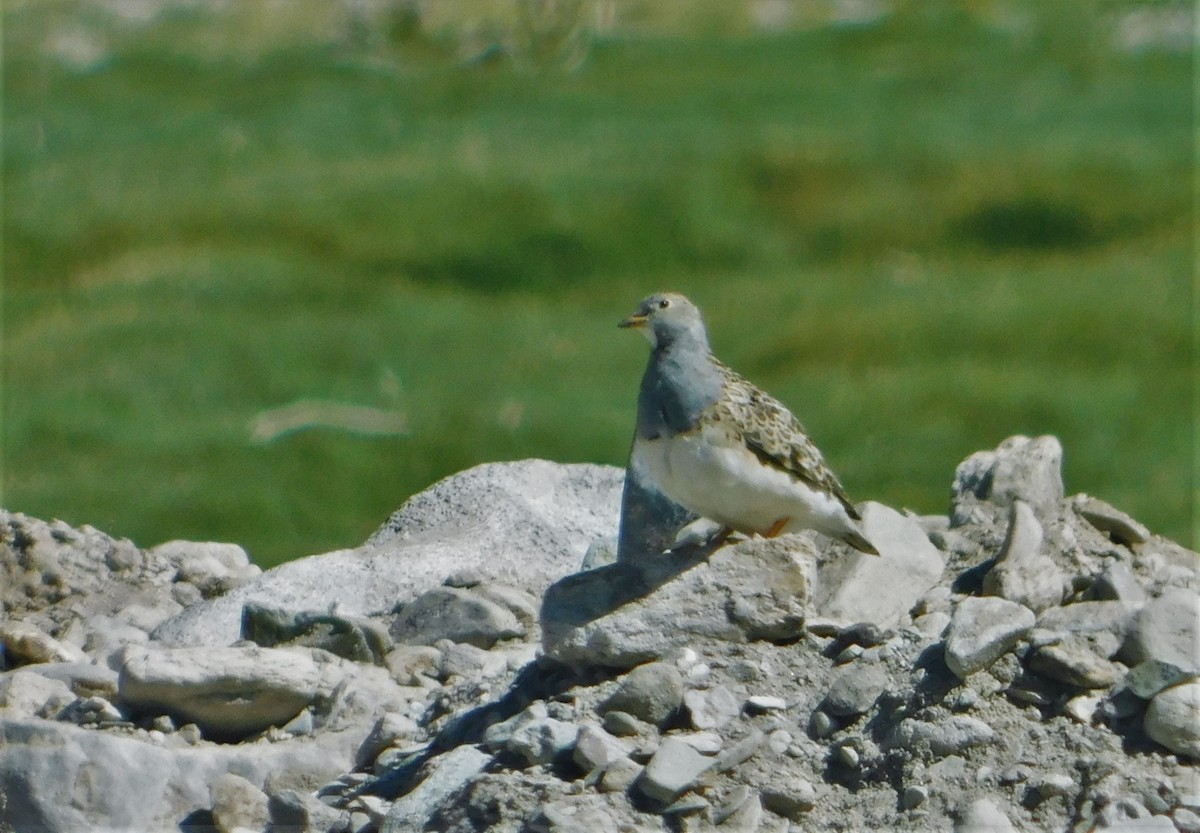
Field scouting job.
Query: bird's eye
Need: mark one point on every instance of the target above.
(664, 303)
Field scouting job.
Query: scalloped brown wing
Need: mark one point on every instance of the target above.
(776, 437)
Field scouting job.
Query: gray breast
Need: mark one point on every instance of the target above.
(677, 387)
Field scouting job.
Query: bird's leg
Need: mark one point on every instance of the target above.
(777, 527)
(721, 537)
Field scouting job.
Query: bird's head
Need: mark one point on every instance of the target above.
(667, 317)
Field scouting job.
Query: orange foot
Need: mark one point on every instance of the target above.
(776, 528)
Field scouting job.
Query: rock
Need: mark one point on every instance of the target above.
(83, 678)
(210, 567)
(595, 748)
(791, 799)
(706, 743)
(577, 814)
(914, 796)
(619, 776)
(450, 772)
(623, 615)
(458, 615)
(625, 725)
(1186, 821)
(1104, 624)
(855, 587)
(652, 692)
(982, 629)
(764, 703)
(1074, 661)
(227, 692)
(26, 693)
(542, 740)
(855, 690)
(354, 638)
(297, 812)
(390, 728)
(672, 771)
(601, 552)
(90, 711)
(1029, 470)
(1117, 583)
(497, 736)
(1022, 573)
(1173, 719)
(952, 735)
(982, 816)
(413, 664)
(459, 659)
(524, 524)
(1109, 520)
(516, 601)
(24, 644)
(713, 708)
(740, 752)
(237, 805)
(1167, 632)
(123, 783)
(649, 519)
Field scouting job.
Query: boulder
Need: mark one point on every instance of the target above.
(982, 630)
(523, 524)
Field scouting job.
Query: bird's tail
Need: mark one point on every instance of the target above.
(855, 539)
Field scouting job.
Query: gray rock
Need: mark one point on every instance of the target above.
(449, 773)
(458, 615)
(91, 711)
(212, 568)
(595, 748)
(982, 629)
(855, 690)
(619, 776)
(1173, 719)
(982, 816)
(740, 752)
(1022, 573)
(413, 664)
(1020, 468)
(351, 637)
(516, 601)
(298, 812)
(1146, 679)
(524, 524)
(855, 587)
(649, 519)
(1113, 522)
(793, 799)
(1186, 821)
(672, 771)
(601, 552)
(227, 692)
(124, 783)
(1075, 662)
(237, 805)
(576, 814)
(84, 678)
(652, 692)
(712, 708)
(542, 740)
(953, 735)
(1105, 624)
(25, 693)
(764, 703)
(622, 615)
(1117, 583)
(391, 728)
(459, 659)
(1167, 631)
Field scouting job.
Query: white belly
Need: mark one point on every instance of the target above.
(707, 474)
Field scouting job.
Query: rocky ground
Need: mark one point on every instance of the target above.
(491, 659)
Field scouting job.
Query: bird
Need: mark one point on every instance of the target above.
(722, 448)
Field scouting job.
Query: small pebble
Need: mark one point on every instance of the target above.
(823, 725)
(851, 653)
(847, 755)
(1056, 783)
(761, 704)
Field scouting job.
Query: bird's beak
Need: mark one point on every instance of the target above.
(635, 321)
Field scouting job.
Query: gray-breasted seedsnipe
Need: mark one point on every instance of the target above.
(720, 447)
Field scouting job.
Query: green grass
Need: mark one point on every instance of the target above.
(925, 235)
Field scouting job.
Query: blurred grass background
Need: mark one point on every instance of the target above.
(925, 225)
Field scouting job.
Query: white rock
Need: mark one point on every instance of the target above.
(28, 694)
(982, 816)
(673, 769)
(1022, 573)
(523, 524)
(227, 692)
(855, 587)
(237, 805)
(983, 629)
(1173, 719)
(24, 643)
